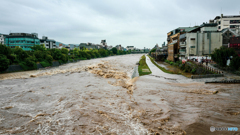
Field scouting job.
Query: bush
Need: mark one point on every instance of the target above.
(83, 58)
(71, 60)
(60, 62)
(38, 47)
(45, 64)
(97, 54)
(114, 50)
(28, 63)
(64, 58)
(21, 54)
(103, 52)
(49, 59)
(57, 54)
(4, 62)
(182, 66)
(235, 63)
(88, 56)
(220, 55)
(193, 71)
(64, 51)
(92, 54)
(39, 55)
(187, 69)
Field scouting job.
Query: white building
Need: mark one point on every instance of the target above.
(2, 39)
(130, 47)
(201, 41)
(48, 43)
(226, 21)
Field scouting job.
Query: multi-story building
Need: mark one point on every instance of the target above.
(88, 46)
(109, 47)
(2, 38)
(173, 41)
(48, 43)
(119, 47)
(235, 44)
(203, 40)
(130, 47)
(227, 34)
(103, 42)
(223, 22)
(23, 40)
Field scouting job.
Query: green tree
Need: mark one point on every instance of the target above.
(39, 55)
(38, 47)
(235, 63)
(76, 51)
(153, 50)
(64, 58)
(220, 55)
(57, 54)
(102, 52)
(49, 59)
(64, 51)
(5, 50)
(4, 62)
(114, 50)
(21, 54)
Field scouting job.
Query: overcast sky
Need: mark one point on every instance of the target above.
(141, 23)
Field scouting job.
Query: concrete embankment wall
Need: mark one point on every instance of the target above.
(135, 72)
(226, 81)
(15, 68)
(206, 76)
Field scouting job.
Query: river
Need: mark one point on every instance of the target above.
(99, 97)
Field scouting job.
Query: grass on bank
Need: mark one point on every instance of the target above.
(161, 68)
(143, 66)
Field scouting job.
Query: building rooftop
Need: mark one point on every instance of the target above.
(226, 16)
(17, 35)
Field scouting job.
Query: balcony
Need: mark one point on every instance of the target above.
(182, 51)
(168, 39)
(182, 44)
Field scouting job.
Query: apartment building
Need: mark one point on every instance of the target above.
(2, 38)
(203, 40)
(130, 47)
(48, 43)
(229, 21)
(23, 40)
(173, 41)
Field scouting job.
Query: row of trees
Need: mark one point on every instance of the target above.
(28, 59)
(221, 55)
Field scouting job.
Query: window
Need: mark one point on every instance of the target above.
(219, 22)
(192, 46)
(234, 21)
(233, 26)
(219, 27)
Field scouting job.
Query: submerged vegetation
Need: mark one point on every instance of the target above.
(143, 68)
(28, 59)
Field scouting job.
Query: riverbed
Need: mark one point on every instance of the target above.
(100, 96)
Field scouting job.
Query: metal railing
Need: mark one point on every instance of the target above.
(206, 67)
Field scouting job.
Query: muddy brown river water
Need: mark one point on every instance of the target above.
(99, 97)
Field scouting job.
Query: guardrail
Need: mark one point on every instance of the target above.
(207, 67)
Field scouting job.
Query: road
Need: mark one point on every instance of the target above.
(99, 97)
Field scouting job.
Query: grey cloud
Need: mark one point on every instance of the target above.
(142, 23)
